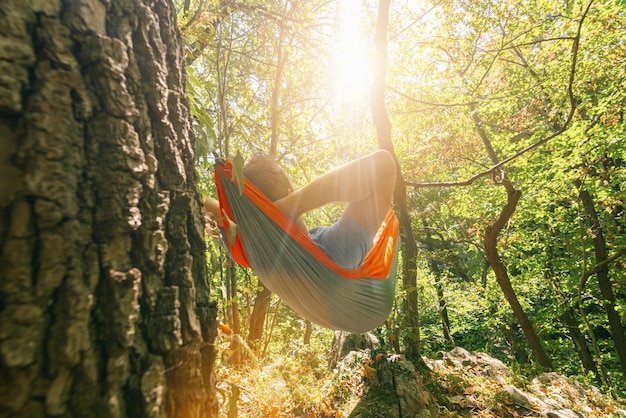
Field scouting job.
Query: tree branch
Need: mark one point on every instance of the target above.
(195, 15)
(595, 269)
(564, 127)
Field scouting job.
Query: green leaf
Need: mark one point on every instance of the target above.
(238, 164)
(232, 231)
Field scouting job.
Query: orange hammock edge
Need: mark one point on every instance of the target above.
(376, 264)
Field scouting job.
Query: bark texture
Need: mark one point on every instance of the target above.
(104, 303)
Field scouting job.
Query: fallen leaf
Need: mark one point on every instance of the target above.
(370, 372)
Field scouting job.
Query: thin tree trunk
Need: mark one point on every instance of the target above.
(236, 349)
(435, 267)
(569, 318)
(580, 344)
(519, 352)
(491, 248)
(443, 313)
(604, 282)
(104, 306)
(502, 276)
(271, 329)
(222, 83)
(383, 130)
(308, 332)
(257, 319)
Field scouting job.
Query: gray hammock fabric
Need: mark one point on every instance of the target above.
(302, 281)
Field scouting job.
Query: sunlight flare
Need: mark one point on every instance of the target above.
(350, 57)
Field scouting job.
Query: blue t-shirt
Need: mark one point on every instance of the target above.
(346, 242)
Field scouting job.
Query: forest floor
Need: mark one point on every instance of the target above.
(365, 384)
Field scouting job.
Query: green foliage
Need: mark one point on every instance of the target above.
(542, 247)
(238, 164)
(507, 64)
(202, 123)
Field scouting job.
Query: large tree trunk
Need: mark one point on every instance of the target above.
(104, 304)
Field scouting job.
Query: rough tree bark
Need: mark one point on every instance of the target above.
(104, 304)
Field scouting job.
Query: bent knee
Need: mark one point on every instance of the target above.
(385, 165)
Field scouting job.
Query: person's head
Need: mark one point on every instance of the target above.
(268, 176)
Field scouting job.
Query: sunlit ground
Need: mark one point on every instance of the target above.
(295, 384)
(299, 384)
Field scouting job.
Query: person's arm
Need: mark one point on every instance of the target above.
(212, 209)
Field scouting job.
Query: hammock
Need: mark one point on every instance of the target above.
(291, 265)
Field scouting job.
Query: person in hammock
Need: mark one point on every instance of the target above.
(366, 186)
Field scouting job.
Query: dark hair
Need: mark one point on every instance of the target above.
(268, 176)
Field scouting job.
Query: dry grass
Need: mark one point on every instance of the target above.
(301, 385)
